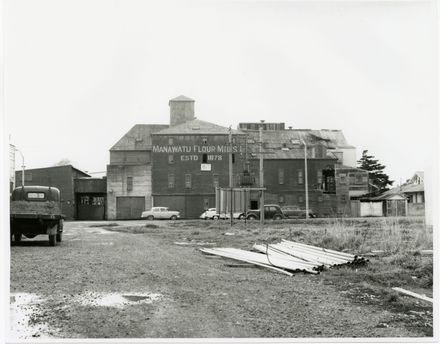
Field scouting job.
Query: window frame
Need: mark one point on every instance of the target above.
(171, 181)
(129, 183)
(188, 181)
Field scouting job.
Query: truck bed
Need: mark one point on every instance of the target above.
(36, 216)
(26, 209)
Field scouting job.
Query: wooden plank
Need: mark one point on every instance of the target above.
(410, 293)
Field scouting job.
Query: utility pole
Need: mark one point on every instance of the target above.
(231, 181)
(306, 179)
(261, 176)
(22, 166)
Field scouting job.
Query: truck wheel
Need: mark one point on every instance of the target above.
(17, 237)
(277, 217)
(52, 240)
(59, 236)
(215, 217)
(252, 217)
(174, 217)
(241, 217)
(150, 217)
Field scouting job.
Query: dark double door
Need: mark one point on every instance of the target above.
(90, 206)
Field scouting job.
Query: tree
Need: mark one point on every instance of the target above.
(379, 181)
(63, 162)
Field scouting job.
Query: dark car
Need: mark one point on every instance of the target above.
(293, 212)
(271, 211)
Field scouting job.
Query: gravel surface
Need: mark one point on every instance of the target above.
(154, 282)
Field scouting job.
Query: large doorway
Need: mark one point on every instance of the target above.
(129, 207)
(90, 206)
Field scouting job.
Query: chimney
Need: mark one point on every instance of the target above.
(181, 110)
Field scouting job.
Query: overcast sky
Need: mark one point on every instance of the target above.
(79, 74)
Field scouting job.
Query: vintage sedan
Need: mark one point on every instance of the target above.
(158, 213)
(293, 212)
(210, 213)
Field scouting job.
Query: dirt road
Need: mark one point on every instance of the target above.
(110, 284)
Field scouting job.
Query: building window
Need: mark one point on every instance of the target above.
(171, 158)
(215, 180)
(300, 177)
(319, 177)
(170, 141)
(364, 179)
(300, 199)
(233, 158)
(97, 200)
(319, 198)
(342, 178)
(351, 178)
(359, 178)
(205, 203)
(204, 140)
(129, 183)
(237, 180)
(188, 181)
(171, 181)
(204, 158)
(84, 200)
(281, 199)
(343, 198)
(280, 176)
(28, 176)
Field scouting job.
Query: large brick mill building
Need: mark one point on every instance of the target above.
(180, 165)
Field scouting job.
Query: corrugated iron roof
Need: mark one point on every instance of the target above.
(286, 154)
(329, 138)
(349, 168)
(138, 137)
(387, 195)
(196, 127)
(182, 98)
(53, 167)
(412, 188)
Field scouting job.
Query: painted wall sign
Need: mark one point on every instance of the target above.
(205, 167)
(196, 149)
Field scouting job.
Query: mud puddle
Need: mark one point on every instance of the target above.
(118, 300)
(22, 307)
(98, 230)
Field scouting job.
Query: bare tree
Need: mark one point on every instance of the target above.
(63, 162)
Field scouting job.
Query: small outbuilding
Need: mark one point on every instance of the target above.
(393, 204)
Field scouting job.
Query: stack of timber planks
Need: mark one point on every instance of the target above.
(289, 256)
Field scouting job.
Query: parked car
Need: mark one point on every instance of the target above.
(36, 210)
(271, 211)
(211, 213)
(160, 213)
(293, 212)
